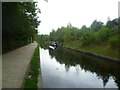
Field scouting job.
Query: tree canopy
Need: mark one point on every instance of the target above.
(19, 23)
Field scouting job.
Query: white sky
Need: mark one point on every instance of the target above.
(57, 13)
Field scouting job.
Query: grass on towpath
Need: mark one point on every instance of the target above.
(31, 78)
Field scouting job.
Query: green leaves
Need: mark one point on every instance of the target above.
(96, 26)
(88, 38)
(97, 34)
(19, 23)
(113, 41)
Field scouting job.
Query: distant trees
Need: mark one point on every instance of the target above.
(97, 33)
(96, 26)
(44, 39)
(111, 24)
(19, 24)
(84, 27)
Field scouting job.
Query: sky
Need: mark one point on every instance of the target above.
(57, 13)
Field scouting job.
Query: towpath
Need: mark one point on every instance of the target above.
(14, 66)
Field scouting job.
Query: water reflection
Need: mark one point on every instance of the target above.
(79, 70)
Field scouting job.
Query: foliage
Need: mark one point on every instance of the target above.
(44, 39)
(88, 38)
(113, 41)
(19, 23)
(102, 35)
(110, 24)
(96, 25)
(96, 34)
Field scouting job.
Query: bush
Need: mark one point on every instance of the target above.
(103, 34)
(88, 39)
(113, 41)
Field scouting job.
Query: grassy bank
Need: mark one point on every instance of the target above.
(103, 49)
(99, 38)
(31, 78)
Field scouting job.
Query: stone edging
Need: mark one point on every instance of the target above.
(96, 55)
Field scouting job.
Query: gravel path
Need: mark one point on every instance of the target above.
(14, 65)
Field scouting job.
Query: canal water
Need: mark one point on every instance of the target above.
(63, 68)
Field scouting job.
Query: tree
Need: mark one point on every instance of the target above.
(19, 24)
(96, 26)
(110, 24)
(84, 27)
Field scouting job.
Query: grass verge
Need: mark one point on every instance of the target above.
(102, 50)
(31, 78)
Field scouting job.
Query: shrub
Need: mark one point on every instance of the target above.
(88, 39)
(104, 33)
(113, 41)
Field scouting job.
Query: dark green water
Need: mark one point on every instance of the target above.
(63, 68)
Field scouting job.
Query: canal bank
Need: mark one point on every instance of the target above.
(94, 54)
(33, 76)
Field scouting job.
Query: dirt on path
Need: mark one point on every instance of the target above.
(14, 66)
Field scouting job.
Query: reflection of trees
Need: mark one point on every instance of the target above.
(67, 68)
(77, 68)
(103, 68)
(52, 53)
(117, 80)
(105, 80)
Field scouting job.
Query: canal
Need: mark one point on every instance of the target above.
(63, 68)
